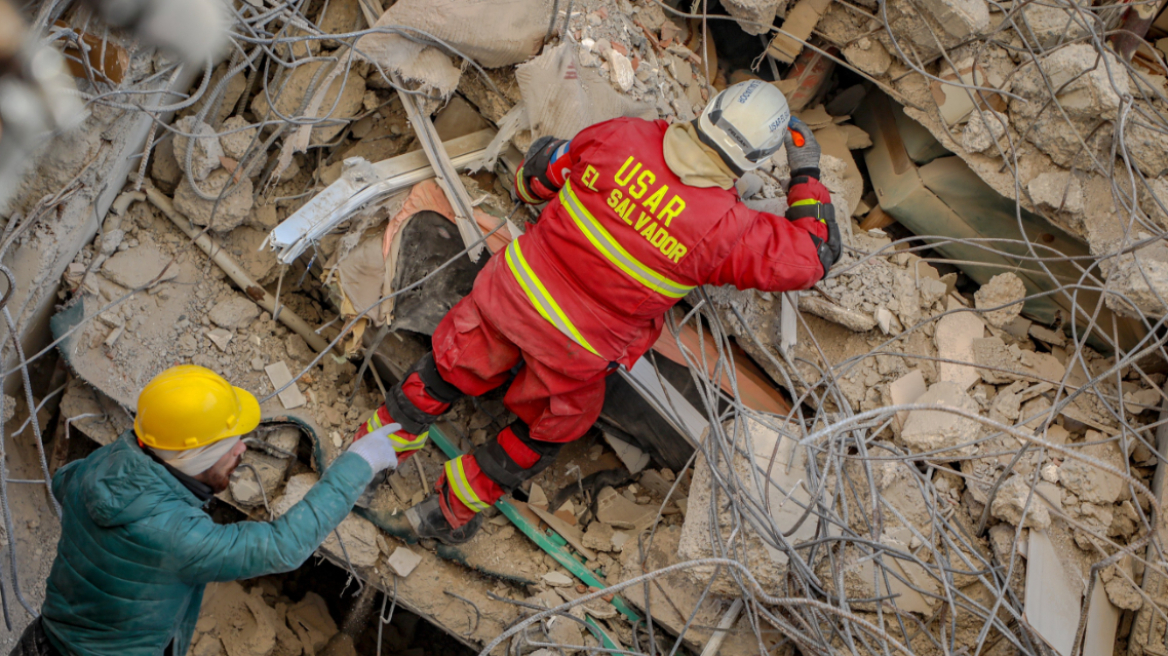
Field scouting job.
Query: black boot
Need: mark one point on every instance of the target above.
(427, 520)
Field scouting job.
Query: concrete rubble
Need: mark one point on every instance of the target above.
(959, 449)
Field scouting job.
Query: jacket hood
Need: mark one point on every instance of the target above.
(694, 162)
(126, 485)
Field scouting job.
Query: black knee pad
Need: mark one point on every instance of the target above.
(505, 472)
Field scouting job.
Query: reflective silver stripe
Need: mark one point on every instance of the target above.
(611, 248)
(456, 475)
(540, 298)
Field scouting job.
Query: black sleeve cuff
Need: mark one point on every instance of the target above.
(808, 172)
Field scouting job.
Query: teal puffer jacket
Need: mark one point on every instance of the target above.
(137, 549)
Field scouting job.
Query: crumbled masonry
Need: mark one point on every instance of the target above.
(950, 445)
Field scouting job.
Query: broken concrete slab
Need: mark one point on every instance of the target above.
(932, 430)
(135, 267)
(207, 152)
(1090, 483)
(279, 374)
(904, 390)
(614, 509)
(787, 496)
(1052, 594)
(403, 561)
(954, 335)
(234, 313)
(229, 206)
(674, 599)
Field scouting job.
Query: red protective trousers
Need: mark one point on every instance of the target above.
(558, 403)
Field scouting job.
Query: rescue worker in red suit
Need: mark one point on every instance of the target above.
(639, 213)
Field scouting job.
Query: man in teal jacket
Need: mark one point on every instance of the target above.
(136, 547)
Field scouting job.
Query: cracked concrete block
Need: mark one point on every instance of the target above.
(868, 55)
(930, 430)
(207, 152)
(234, 313)
(1012, 498)
(1003, 289)
(1089, 482)
(756, 15)
(235, 144)
(960, 18)
(983, 130)
(954, 339)
(228, 213)
(1057, 191)
(788, 496)
(1090, 83)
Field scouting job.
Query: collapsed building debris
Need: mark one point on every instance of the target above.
(952, 444)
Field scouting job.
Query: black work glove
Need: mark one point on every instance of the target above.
(802, 149)
(829, 251)
(533, 173)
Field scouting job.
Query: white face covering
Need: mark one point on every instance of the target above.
(193, 462)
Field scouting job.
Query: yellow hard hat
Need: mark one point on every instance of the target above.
(187, 406)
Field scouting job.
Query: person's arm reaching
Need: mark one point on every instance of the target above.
(209, 552)
(545, 169)
(777, 254)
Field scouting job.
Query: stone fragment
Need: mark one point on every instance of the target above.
(279, 374)
(598, 537)
(164, 166)
(236, 144)
(403, 561)
(1003, 289)
(234, 313)
(632, 456)
(954, 337)
(906, 389)
(311, 621)
(868, 55)
(1087, 481)
(1057, 191)
(983, 130)
(223, 215)
(994, 360)
(295, 87)
(930, 430)
(616, 510)
(960, 18)
(557, 579)
(245, 487)
(1088, 87)
(753, 15)
(220, 338)
(135, 267)
(1012, 498)
(207, 152)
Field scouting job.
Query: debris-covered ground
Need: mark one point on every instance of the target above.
(951, 445)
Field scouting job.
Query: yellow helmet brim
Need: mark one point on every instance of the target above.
(249, 415)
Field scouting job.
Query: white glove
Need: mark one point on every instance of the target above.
(377, 449)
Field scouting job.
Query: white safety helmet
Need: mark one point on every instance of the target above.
(745, 124)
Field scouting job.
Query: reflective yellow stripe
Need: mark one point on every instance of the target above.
(373, 424)
(540, 297)
(522, 189)
(456, 476)
(805, 201)
(611, 248)
(401, 444)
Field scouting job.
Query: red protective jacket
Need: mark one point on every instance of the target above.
(625, 239)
